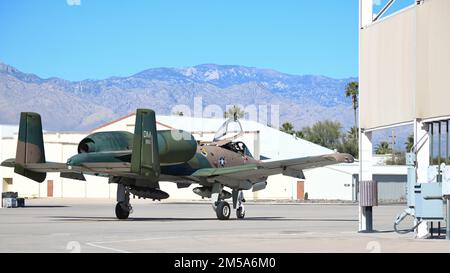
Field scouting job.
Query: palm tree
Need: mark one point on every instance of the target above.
(352, 133)
(409, 143)
(300, 134)
(287, 128)
(350, 143)
(383, 148)
(352, 90)
(235, 111)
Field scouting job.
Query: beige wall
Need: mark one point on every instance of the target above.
(433, 59)
(404, 66)
(387, 71)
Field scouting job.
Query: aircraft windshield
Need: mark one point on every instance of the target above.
(238, 147)
(230, 129)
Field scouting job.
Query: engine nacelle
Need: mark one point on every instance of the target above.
(174, 146)
(106, 142)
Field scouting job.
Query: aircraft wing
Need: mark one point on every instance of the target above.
(63, 167)
(72, 172)
(290, 167)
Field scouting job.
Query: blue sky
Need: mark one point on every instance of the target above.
(102, 38)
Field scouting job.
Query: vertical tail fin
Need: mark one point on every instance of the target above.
(145, 154)
(30, 146)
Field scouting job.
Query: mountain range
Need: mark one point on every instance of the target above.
(83, 105)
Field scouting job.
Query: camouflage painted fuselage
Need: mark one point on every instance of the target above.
(207, 156)
(179, 159)
(141, 160)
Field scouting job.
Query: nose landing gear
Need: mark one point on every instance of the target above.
(238, 204)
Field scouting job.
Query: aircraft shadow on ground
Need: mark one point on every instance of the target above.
(381, 231)
(176, 219)
(44, 206)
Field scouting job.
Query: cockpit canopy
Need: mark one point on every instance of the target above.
(230, 130)
(227, 133)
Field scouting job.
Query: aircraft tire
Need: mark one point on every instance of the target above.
(121, 213)
(240, 213)
(223, 210)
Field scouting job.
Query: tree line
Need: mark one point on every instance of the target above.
(329, 133)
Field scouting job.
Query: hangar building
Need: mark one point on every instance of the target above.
(338, 182)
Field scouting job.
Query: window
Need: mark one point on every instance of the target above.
(238, 147)
(8, 181)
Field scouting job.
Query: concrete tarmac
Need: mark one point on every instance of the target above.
(89, 225)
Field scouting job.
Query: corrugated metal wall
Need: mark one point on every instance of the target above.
(391, 188)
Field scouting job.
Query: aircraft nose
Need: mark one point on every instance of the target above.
(349, 159)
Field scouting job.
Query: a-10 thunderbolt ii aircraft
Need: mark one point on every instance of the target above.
(137, 162)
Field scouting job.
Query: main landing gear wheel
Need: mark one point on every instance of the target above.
(240, 213)
(123, 207)
(122, 211)
(223, 210)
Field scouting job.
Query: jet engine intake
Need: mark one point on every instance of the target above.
(106, 142)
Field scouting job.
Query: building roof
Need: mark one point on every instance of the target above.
(8, 131)
(274, 144)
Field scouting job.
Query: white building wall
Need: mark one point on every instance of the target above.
(278, 187)
(98, 187)
(179, 194)
(328, 184)
(22, 185)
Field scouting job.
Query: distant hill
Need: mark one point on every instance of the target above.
(83, 105)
